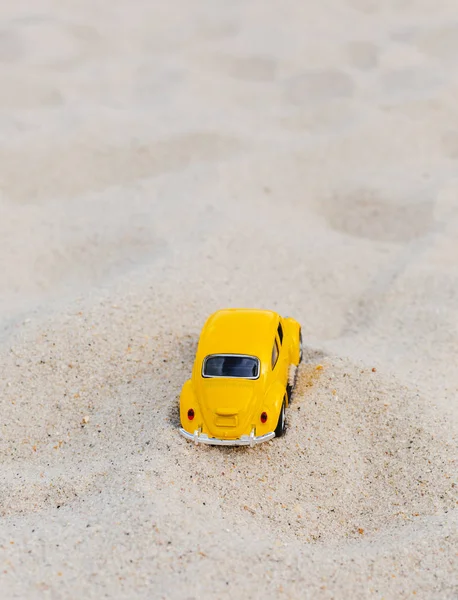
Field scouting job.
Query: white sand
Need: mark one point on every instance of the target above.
(161, 160)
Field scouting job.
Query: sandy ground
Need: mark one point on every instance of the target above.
(160, 160)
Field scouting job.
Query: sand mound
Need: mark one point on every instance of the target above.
(101, 448)
(359, 454)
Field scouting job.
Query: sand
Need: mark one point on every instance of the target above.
(159, 161)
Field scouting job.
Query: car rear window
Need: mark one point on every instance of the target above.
(231, 365)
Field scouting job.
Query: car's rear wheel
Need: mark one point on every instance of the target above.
(300, 346)
(281, 425)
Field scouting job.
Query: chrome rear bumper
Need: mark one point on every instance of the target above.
(245, 440)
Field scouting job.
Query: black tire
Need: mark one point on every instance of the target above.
(300, 346)
(281, 425)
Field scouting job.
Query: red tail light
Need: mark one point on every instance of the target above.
(191, 414)
(263, 417)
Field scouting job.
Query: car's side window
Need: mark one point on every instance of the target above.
(275, 354)
(280, 333)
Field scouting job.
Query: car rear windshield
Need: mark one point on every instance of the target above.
(231, 365)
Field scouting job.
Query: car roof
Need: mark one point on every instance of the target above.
(239, 331)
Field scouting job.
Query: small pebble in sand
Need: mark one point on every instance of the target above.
(251, 510)
(85, 420)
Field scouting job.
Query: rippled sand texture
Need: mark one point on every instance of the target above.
(161, 160)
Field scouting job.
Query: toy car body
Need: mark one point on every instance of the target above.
(242, 378)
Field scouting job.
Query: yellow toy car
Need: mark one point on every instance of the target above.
(242, 378)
